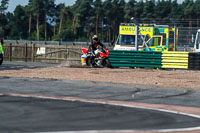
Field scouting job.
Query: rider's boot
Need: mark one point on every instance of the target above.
(99, 62)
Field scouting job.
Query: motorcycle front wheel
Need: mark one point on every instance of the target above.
(90, 61)
(106, 63)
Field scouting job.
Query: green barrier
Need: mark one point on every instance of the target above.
(154, 59)
(121, 58)
(169, 60)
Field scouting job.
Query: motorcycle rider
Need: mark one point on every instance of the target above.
(1, 48)
(1, 51)
(94, 44)
(93, 47)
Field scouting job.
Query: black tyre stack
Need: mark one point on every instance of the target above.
(194, 61)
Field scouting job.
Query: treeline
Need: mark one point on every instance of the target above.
(44, 20)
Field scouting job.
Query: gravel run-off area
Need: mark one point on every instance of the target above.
(171, 78)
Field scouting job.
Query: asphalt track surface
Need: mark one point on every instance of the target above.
(50, 105)
(24, 65)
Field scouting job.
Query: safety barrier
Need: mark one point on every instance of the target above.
(119, 58)
(194, 61)
(175, 60)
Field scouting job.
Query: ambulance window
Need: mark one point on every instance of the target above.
(154, 41)
(164, 38)
(157, 41)
(129, 40)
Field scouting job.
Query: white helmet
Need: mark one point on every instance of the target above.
(95, 37)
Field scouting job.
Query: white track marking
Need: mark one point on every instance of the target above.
(124, 131)
(110, 103)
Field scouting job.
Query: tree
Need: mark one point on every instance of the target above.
(107, 5)
(148, 12)
(130, 10)
(117, 8)
(49, 8)
(139, 10)
(57, 17)
(43, 20)
(197, 11)
(82, 12)
(98, 10)
(3, 6)
(30, 11)
(176, 12)
(61, 19)
(188, 6)
(65, 28)
(162, 11)
(19, 23)
(37, 6)
(3, 19)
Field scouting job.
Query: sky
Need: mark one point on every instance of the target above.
(14, 3)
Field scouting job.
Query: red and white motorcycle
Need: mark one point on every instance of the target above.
(100, 59)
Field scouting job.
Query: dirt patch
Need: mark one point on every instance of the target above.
(175, 78)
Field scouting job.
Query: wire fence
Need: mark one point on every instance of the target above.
(185, 37)
(52, 53)
(50, 42)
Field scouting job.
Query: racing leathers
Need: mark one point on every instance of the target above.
(93, 47)
(92, 51)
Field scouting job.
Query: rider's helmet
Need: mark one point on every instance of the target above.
(95, 38)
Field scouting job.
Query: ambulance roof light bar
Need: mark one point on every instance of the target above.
(132, 24)
(127, 24)
(167, 26)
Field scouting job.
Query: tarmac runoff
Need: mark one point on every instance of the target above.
(179, 110)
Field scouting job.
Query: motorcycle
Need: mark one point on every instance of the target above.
(99, 59)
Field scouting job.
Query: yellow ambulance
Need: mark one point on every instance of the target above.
(151, 37)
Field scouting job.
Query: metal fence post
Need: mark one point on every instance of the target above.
(175, 37)
(33, 52)
(10, 52)
(174, 33)
(26, 52)
(136, 37)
